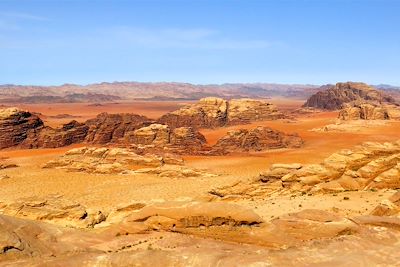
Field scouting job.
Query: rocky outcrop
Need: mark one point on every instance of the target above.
(47, 137)
(257, 139)
(337, 95)
(15, 125)
(364, 112)
(388, 207)
(174, 171)
(351, 126)
(125, 162)
(108, 160)
(5, 164)
(161, 138)
(371, 165)
(214, 112)
(181, 215)
(112, 128)
(368, 166)
(54, 209)
(193, 234)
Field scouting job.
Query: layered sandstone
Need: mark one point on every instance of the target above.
(337, 95)
(181, 233)
(368, 166)
(47, 137)
(54, 209)
(214, 112)
(161, 138)
(124, 161)
(108, 160)
(257, 139)
(364, 111)
(14, 126)
(112, 128)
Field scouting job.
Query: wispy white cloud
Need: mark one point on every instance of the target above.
(179, 38)
(21, 16)
(14, 21)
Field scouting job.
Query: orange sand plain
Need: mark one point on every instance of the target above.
(107, 191)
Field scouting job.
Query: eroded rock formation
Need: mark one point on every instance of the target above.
(15, 125)
(337, 95)
(47, 137)
(364, 112)
(193, 234)
(54, 209)
(108, 160)
(257, 139)
(214, 112)
(112, 128)
(124, 161)
(368, 166)
(161, 138)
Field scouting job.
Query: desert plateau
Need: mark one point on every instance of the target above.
(192, 183)
(172, 133)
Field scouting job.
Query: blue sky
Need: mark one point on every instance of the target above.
(204, 41)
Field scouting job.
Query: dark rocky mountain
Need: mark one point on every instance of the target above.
(337, 95)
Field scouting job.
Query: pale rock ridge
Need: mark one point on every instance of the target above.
(368, 166)
(214, 112)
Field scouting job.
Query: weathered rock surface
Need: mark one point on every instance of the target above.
(351, 126)
(6, 164)
(124, 161)
(47, 137)
(174, 171)
(14, 126)
(112, 128)
(388, 207)
(257, 139)
(54, 209)
(180, 215)
(371, 165)
(337, 95)
(368, 166)
(214, 112)
(108, 160)
(161, 138)
(194, 234)
(364, 112)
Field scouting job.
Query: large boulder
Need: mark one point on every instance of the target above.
(15, 125)
(54, 209)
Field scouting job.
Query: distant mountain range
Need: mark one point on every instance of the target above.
(124, 91)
